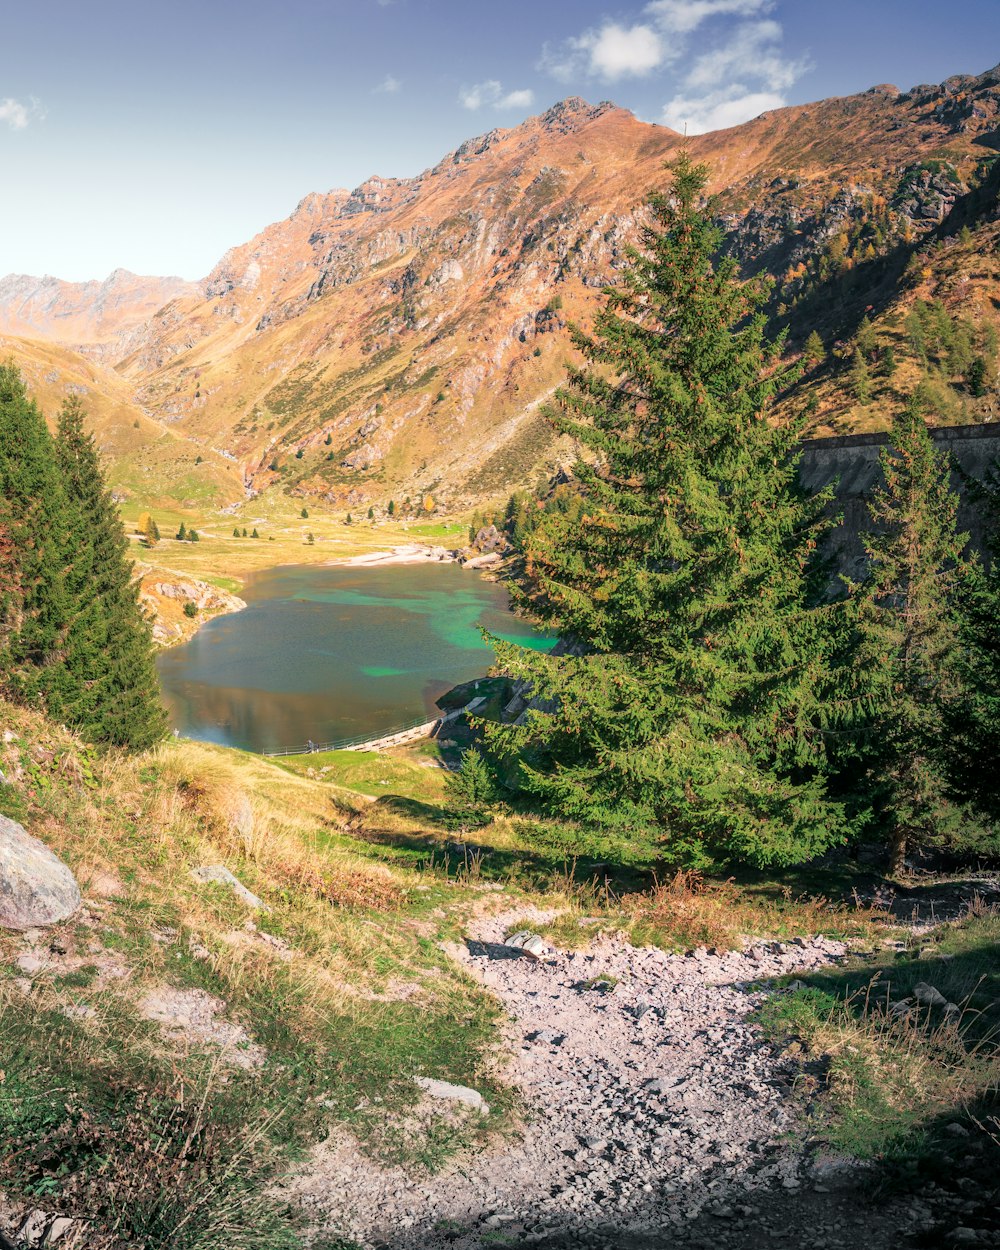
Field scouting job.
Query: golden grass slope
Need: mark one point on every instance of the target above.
(399, 338)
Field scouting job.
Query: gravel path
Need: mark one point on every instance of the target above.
(657, 1117)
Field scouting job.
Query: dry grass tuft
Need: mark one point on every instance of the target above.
(689, 910)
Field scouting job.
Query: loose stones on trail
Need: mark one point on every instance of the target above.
(192, 1016)
(36, 887)
(653, 1105)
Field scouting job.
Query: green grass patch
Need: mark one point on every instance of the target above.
(885, 1072)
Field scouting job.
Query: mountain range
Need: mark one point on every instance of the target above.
(401, 338)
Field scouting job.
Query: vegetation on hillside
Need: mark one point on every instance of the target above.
(715, 704)
(73, 638)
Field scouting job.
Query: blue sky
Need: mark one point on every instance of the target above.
(154, 136)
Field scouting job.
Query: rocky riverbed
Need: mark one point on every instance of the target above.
(656, 1115)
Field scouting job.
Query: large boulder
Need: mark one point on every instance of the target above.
(36, 887)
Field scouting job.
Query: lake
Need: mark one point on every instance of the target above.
(327, 653)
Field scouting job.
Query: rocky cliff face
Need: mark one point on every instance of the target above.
(399, 338)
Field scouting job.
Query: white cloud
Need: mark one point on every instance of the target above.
(681, 17)
(614, 51)
(490, 94)
(388, 86)
(754, 51)
(522, 99)
(18, 115)
(718, 109)
(741, 78)
(744, 73)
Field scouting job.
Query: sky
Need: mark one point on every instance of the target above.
(153, 136)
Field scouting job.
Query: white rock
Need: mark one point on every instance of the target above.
(455, 1093)
(222, 875)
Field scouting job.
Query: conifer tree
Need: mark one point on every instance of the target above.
(815, 352)
(973, 723)
(866, 340)
(861, 382)
(182, 532)
(10, 586)
(907, 657)
(687, 712)
(115, 661)
(35, 518)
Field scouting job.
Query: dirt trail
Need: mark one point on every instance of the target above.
(657, 1116)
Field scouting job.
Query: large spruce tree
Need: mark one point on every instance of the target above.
(687, 713)
(73, 638)
(110, 655)
(907, 657)
(973, 722)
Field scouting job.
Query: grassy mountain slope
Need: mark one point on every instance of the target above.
(398, 339)
(169, 1051)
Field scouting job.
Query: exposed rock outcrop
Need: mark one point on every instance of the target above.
(36, 887)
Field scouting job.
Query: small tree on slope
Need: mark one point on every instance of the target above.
(688, 716)
(907, 657)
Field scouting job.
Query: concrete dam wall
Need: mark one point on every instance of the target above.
(852, 462)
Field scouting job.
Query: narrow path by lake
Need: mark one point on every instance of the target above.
(326, 653)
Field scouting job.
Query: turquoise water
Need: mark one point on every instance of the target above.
(323, 654)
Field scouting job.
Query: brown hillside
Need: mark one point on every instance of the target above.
(398, 338)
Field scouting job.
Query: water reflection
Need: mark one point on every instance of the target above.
(329, 653)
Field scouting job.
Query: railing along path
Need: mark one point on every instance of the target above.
(363, 742)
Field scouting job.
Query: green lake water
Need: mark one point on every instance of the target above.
(324, 654)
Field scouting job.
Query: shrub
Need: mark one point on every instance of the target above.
(471, 792)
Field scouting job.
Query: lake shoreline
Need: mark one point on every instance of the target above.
(410, 553)
(171, 635)
(390, 641)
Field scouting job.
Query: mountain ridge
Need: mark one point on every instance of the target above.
(400, 336)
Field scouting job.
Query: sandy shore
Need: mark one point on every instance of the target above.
(412, 553)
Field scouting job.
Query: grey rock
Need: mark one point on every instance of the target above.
(33, 1227)
(36, 887)
(530, 943)
(928, 995)
(218, 873)
(60, 1227)
(549, 1036)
